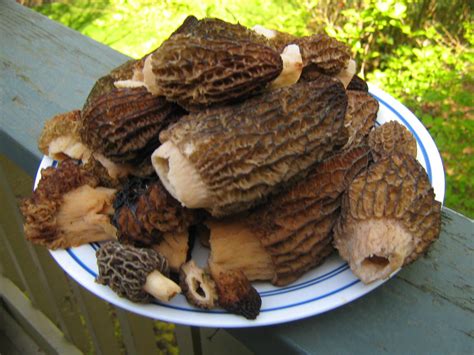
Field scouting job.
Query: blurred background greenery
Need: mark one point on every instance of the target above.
(420, 51)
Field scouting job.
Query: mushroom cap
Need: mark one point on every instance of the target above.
(198, 71)
(124, 269)
(60, 138)
(389, 217)
(236, 294)
(323, 54)
(144, 211)
(124, 124)
(295, 226)
(392, 137)
(360, 117)
(41, 209)
(246, 152)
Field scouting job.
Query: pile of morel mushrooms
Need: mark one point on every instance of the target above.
(258, 144)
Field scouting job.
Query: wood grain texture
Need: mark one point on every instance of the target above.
(45, 69)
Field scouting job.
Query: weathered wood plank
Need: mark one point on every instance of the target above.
(40, 328)
(137, 332)
(98, 320)
(45, 69)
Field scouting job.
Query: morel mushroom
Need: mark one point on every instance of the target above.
(68, 208)
(60, 138)
(392, 137)
(124, 124)
(360, 117)
(292, 232)
(197, 286)
(227, 160)
(145, 211)
(138, 274)
(199, 71)
(389, 218)
(236, 294)
(358, 84)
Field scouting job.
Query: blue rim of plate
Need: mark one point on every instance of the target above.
(296, 286)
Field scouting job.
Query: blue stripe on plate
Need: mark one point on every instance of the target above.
(288, 289)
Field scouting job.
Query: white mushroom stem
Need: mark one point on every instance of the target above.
(179, 176)
(264, 31)
(149, 76)
(346, 74)
(292, 67)
(161, 287)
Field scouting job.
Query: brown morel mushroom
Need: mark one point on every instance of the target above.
(360, 117)
(200, 71)
(389, 218)
(68, 208)
(292, 232)
(145, 211)
(197, 286)
(227, 160)
(60, 138)
(391, 137)
(236, 294)
(138, 274)
(124, 124)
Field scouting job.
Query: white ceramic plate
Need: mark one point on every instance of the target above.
(329, 286)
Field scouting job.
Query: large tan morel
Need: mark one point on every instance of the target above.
(292, 233)
(389, 218)
(392, 137)
(245, 152)
(198, 72)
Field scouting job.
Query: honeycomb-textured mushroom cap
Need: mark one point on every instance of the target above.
(295, 227)
(124, 124)
(68, 208)
(106, 83)
(323, 53)
(361, 114)
(236, 294)
(60, 138)
(392, 137)
(125, 269)
(197, 72)
(227, 160)
(144, 211)
(389, 218)
(292, 232)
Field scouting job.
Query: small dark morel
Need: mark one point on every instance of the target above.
(138, 274)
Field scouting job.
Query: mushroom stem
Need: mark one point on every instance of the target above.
(160, 287)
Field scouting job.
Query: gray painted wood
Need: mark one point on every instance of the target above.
(428, 308)
(45, 69)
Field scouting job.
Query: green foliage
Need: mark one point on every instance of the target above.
(420, 51)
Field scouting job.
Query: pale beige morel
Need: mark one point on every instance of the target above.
(389, 218)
